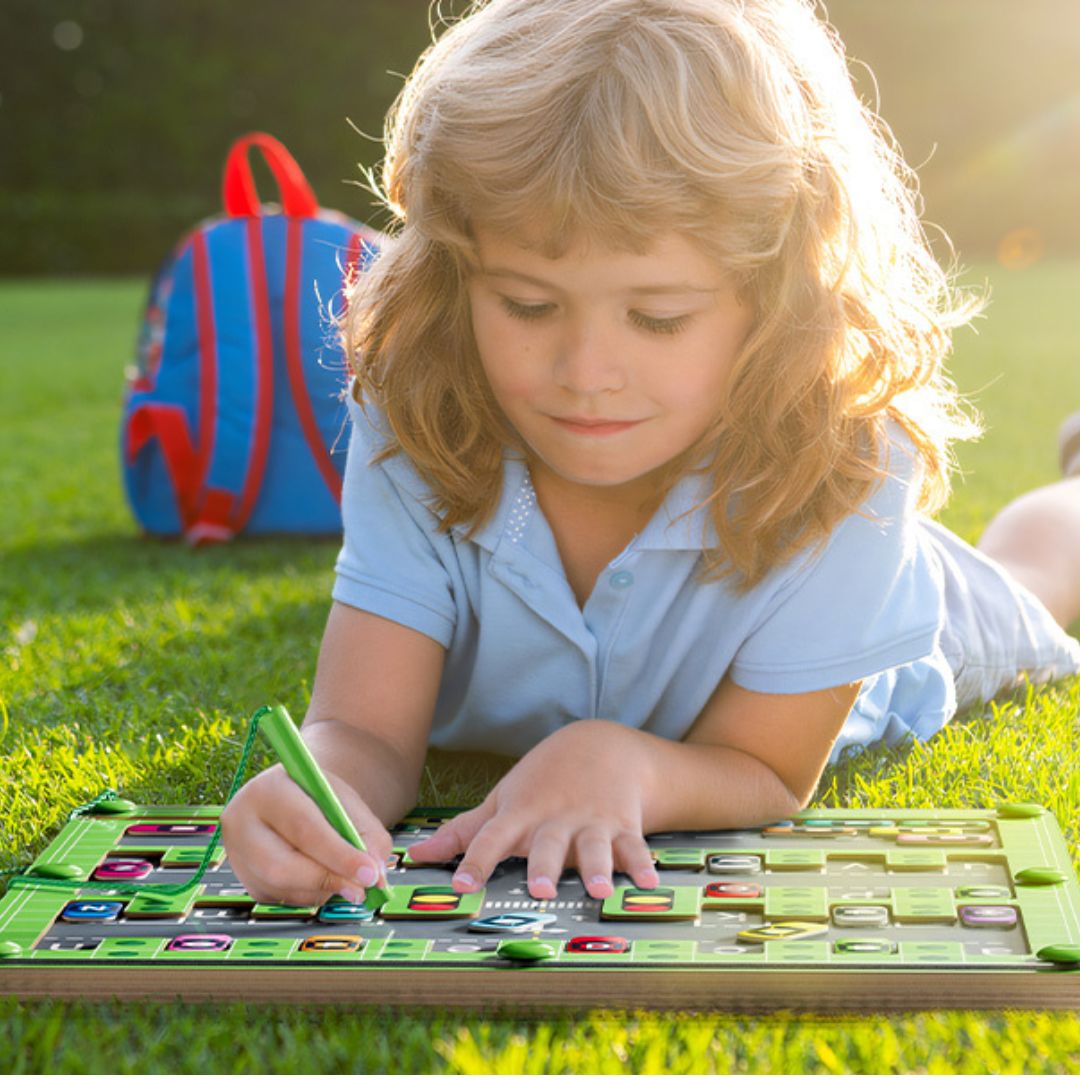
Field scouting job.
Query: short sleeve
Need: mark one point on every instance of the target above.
(873, 599)
(390, 562)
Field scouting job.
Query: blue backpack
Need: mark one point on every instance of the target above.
(233, 414)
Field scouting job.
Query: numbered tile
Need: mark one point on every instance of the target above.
(734, 864)
(123, 870)
(514, 922)
(598, 945)
(323, 943)
(782, 931)
(92, 911)
(947, 839)
(998, 915)
(860, 915)
(869, 946)
(199, 943)
(343, 911)
(172, 829)
(745, 890)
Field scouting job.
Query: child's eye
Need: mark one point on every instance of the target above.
(659, 326)
(524, 311)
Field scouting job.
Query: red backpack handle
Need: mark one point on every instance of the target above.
(238, 188)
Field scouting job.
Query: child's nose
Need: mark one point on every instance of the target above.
(590, 360)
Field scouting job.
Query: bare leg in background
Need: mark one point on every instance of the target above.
(1037, 538)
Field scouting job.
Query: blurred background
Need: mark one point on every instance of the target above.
(116, 115)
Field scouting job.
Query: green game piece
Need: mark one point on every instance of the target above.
(1019, 810)
(1060, 954)
(10, 950)
(1039, 875)
(525, 950)
(276, 724)
(114, 806)
(59, 871)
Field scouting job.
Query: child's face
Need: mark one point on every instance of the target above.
(608, 364)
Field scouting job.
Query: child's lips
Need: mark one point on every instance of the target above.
(595, 427)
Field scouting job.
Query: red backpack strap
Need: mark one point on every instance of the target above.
(220, 514)
(169, 425)
(238, 188)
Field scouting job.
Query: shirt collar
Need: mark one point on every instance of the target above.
(681, 523)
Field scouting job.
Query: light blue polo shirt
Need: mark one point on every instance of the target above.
(652, 642)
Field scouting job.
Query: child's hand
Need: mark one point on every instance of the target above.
(575, 799)
(285, 852)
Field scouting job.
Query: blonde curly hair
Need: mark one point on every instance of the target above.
(732, 122)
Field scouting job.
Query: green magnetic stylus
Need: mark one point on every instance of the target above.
(277, 725)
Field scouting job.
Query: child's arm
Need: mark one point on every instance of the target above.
(588, 794)
(781, 740)
(367, 726)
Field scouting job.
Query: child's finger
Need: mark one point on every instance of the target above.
(493, 843)
(452, 836)
(298, 819)
(595, 863)
(275, 872)
(547, 857)
(634, 858)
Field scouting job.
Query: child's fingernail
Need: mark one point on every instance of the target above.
(599, 879)
(367, 876)
(543, 883)
(465, 880)
(352, 895)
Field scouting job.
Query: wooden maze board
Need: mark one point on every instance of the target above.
(834, 910)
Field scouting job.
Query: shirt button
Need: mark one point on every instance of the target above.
(621, 580)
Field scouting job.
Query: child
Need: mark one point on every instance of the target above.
(648, 411)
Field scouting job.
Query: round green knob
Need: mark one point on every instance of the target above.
(10, 950)
(525, 950)
(1060, 954)
(57, 871)
(1039, 875)
(1019, 810)
(114, 806)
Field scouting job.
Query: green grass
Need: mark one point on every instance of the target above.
(134, 664)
